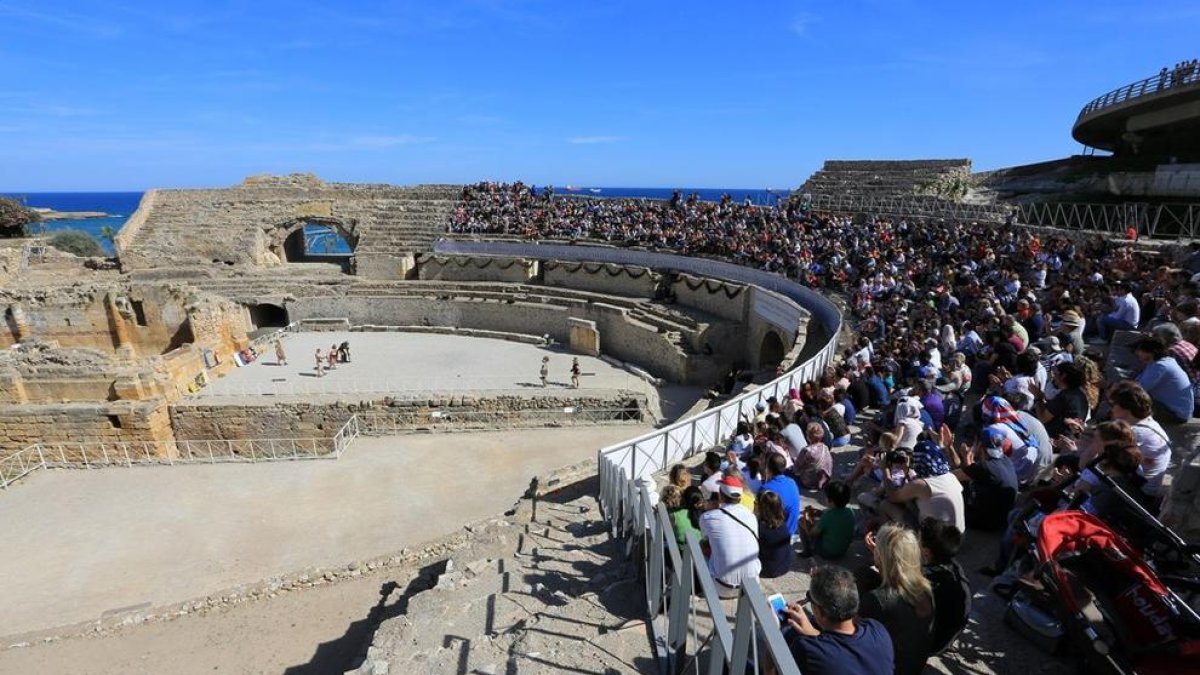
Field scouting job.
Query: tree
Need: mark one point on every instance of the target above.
(14, 218)
(109, 235)
(77, 242)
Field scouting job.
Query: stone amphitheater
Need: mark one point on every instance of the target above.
(148, 362)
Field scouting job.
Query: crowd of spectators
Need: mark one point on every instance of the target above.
(973, 379)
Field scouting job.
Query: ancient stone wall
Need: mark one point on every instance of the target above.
(467, 268)
(622, 335)
(195, 421)
(247, 226)
(61, 428)
(712, 296)
(627, 280)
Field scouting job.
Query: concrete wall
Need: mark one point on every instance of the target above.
(627, 280)
(466, 268)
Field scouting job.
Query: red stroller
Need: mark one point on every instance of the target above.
(1111, 605)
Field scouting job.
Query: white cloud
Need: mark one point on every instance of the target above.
(802, 22)
(594, 140)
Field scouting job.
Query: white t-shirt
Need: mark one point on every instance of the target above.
(946, 504)
(910, 433)
(732, 533)
(1156, 453)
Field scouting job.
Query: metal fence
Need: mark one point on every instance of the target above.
(1167, 82)
(100, 454)
(685, 629)
(625, 500)
(1163, 221)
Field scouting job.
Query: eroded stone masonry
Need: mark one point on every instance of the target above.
(107, 351)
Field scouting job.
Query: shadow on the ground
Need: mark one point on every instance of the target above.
(347, 652)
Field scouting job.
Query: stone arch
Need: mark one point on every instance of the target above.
(771, 351)
(268, 315)
(286, 240)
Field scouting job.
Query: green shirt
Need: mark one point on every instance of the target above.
(682, 525)
(836, 527)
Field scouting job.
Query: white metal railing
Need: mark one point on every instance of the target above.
(99, 454)
(625, 502)
(1167, 81)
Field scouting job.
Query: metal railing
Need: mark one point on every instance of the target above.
(1165, 82)
(1163, 221)
(925, 207)
(100, 454)
(670, 573)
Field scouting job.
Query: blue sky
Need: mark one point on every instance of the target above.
(130, 95)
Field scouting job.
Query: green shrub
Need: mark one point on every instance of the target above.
(77, 242)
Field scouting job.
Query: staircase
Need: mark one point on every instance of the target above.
(522, 597)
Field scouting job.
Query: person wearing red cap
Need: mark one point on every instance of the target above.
(732, 534)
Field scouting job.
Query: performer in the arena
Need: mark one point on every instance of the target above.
(320, 363)
(545, 372)
(280, 355)
(333, 356)
(575, 373)
(344, 352)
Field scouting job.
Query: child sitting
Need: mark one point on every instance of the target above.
(829, 533)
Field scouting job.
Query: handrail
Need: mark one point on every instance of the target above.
(624, 468)
(1165, 81)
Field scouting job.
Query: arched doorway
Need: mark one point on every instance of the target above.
(772, 350)
(267, 315)
(314, 240)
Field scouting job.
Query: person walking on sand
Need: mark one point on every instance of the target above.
(545, 371)
(320, 363)
(280, 355)
(575, 373)
(332, 358)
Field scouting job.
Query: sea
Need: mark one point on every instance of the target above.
(120, 205)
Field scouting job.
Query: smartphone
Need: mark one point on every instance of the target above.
(779, 604)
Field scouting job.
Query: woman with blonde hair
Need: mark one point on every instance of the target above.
(903, 603)
(681, 477)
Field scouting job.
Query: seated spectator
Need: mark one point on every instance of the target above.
(957, 376)
(838, 429)
(951, 588)
(680, 477)
(880, 397)
(829, 533)
(989, 479)
(1184, 353)
(1070, 402)
(711, 472)
(732, 534)
(903, 603)
(743, 441)
(934, 491)
(1120, 460)
(908, 423)
(1126, 314)
(833, 641)
(1168, 385)
(774, 541)
(681, 524)
(794, 437)
(814, 464)
(748, 495)
(777, 481)
(931, 401)
(1132, 405)
(848, 409)
(1020, 443)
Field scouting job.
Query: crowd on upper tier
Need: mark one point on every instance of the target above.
(975, 375)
